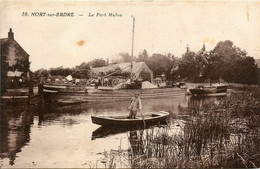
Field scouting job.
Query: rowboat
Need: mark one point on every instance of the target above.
(124, 121)
(211, 90)
(69, 102)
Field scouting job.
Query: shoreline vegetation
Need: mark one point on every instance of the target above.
(225, 63)
(226, 134)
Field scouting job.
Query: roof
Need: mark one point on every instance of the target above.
(125, 67)
(6, 42)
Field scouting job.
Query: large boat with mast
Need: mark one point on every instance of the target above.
(122, 92)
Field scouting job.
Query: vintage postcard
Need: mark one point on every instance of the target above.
(130, 84)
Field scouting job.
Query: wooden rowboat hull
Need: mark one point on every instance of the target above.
(123, 121)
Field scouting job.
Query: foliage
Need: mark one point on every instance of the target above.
(60, 71)
(82, 71)
(160, 64)
(231, 64)
(98, 63)
(123, 58)
(223, 135)
(142, 56)
(225, 61)
(187, 65)
(246, 71)
(40, 74)
(192, 65)
(244, 104)
(21, 65)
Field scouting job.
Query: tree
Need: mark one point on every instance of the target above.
(232, 64)
(82, 72)
(123, 58)
(222, 59)
(201, 60)
(60, 71)
(160, 64)
(41, 73)
(98, 63)
(246, 71)
(142, 56)
(174, 73)
(187, 65)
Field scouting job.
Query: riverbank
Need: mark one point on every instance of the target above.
(221, 135)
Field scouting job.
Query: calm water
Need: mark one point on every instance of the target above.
(65, 136)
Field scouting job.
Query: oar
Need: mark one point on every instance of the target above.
(143, 117)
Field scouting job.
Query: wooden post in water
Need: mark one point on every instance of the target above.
(30, 87)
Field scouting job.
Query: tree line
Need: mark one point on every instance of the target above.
(226, 62)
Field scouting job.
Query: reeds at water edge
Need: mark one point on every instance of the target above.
(223, 135)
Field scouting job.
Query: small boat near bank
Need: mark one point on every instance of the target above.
(124, 121)
(69, 102)
(210, 90)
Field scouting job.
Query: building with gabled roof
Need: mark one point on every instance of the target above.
(16, 61)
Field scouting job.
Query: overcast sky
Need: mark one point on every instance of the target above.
(160, 27)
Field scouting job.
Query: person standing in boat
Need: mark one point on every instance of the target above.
(134, 106)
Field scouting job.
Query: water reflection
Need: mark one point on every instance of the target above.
(103, 132)
(198, 102)
(133, 139)
(29, 135)
(15, 130)
(195, 102)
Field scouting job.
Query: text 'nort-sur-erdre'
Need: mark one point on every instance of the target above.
(44, 14)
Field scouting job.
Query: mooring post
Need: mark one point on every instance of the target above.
(30, 88)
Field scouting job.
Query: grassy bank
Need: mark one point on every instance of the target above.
(224, 135)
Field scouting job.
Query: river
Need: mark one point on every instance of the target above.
(49, 136)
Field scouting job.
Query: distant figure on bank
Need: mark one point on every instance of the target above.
(134, 106)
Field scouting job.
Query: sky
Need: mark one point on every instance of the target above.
(160, 27)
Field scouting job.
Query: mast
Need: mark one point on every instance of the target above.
(132, 55)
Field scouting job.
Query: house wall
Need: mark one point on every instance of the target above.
(17, 60)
